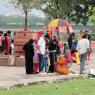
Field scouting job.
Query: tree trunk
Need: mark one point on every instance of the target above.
(25, 25)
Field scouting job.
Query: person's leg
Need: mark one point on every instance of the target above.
(86, 61)
(41, 62)
(32, 65)
(29, 65)
(88, 55)
(46, 64)
(43, 65)
(39, 55)
(82, 60)
(51, 67)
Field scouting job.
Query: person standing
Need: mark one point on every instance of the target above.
(12, 48)
(52, 55)
(82, 48)
(41, 48)
(90, 47)
(1, 44)
(29, 53)
(46, 57)
(9, 33)
(72, 42)
(35, 57)
(7, 43)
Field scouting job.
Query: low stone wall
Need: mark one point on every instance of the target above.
(12, 61)
(4, 60)
(20, 61)
(21, 38)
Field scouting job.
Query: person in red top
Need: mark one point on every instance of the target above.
(1, 37)
(7, 43)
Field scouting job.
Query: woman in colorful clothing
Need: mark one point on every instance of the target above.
(7, 43)
(35, 57)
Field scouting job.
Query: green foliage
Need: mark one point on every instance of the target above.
(18, 21)
(56, 8)
(77, 11)
(92, 18)
(26, 6)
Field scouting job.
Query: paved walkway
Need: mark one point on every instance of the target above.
(15, 76)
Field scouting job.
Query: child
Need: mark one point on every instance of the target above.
(46, 57)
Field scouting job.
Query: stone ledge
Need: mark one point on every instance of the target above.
(11, 61)
(40, 80)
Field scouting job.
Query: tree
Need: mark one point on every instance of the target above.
(26, 6)
(82, 11)
(74, 10)
(92, 18)
(56, 8)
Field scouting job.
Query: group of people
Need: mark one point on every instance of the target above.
(40, 51)
(44, 52)
(6, 43)
(81, 46)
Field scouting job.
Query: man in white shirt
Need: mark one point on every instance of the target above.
(41, 48)
(82, 47)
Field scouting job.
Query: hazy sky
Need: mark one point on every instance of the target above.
(7, 9)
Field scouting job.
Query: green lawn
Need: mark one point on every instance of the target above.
(72, 87)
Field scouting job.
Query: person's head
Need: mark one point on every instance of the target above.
(40, 33)
(1, 33)
(9, 33)
(73, 51)
(72, 35)
(31, 41)
(47, 37)
(5, 34)
(57, 29)
(66, 46)
(84, 36)
(81, 31)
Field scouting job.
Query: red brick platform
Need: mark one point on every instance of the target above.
(20, 38)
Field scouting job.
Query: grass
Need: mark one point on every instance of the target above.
(72, 87)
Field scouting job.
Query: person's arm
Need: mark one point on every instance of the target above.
(77, 48)
(88, 45)
(39, 43)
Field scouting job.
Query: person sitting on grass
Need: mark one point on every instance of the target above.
(76, 56)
